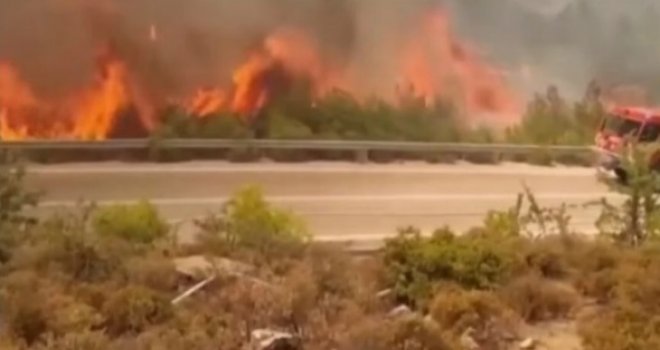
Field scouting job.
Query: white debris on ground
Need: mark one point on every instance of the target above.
(267, 339)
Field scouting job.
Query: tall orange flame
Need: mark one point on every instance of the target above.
(206, 101)
(457, 73)
(285, 49)
(249, 96)
(88, 115)
(95, 111)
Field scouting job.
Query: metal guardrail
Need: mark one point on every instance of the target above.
(310, 145)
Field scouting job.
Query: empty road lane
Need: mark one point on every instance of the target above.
(338, 200)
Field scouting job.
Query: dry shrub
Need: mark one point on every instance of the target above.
(315, 299)
(133, 309)
(548, 257)
(630, 318)
(22, 301)
(329, 270)
(6, 342)
(538, 299)
(330, 320)
(153, 271)
(76, 341)
(396, 334)
(633, 329)
(324, 301)
(95, 294)
(596, 267)
(247, 304)
(57, 248)
(188, 338)
(458, 310)
(66, 315)
(337, 273)
(27, 321)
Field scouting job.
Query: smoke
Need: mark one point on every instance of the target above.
(54, 43)
(568, 43)
(172, 47)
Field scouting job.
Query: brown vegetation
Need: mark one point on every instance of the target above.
(106, 278)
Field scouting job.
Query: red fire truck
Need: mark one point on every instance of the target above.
(621, 126)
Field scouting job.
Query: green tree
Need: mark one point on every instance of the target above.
(638, 219)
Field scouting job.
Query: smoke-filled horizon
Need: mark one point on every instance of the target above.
(568, 43)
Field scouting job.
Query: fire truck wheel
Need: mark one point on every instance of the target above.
(621, 176)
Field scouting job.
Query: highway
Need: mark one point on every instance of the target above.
(339, 201)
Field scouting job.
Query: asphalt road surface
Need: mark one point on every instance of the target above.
(339, 201)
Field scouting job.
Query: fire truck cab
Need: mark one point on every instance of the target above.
(621, 126)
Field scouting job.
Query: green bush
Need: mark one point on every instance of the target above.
(138, 223)
(249, 221)
(473, 261)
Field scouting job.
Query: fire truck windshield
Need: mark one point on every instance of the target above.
(620, 126)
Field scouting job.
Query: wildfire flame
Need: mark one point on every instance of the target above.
(87, 115)
(206, 101)
(94, 111)
(434, 64)
(457, 74)
(287, 52)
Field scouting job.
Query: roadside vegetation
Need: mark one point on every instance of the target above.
(119, 277)
(549, 119)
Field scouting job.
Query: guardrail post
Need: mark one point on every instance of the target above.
(362, 156)
(498, 157)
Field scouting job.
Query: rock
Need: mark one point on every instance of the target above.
(528, 344)
(267, 339)
(198, 266)
(401, 310)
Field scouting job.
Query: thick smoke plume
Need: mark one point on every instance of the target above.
(54, 42)
(568, 43)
